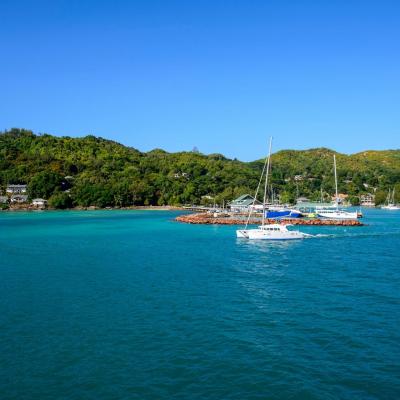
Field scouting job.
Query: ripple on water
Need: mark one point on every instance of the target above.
(132, 305)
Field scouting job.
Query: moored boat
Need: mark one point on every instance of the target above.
(390, 203)
(283, 213)
(391, 207)
(334, 212)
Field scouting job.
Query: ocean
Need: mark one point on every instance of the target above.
(133, 305)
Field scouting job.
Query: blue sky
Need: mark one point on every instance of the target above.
(219, 75)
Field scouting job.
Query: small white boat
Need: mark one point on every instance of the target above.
(271, 232)
(391, 207)
(335, 213)
(267, 231)
(390, 204)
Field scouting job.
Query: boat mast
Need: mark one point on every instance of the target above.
(336, 189)
(266, 180)
(388, 198)
(258, 188)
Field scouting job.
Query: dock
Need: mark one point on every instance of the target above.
(210, 219)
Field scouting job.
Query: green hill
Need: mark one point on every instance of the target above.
(95, 171)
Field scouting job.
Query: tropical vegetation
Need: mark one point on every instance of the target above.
(93, 171)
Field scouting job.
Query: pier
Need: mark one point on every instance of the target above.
(227, 219)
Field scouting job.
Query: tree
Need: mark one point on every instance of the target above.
(106, 173)
(60, 200)
(44, 184)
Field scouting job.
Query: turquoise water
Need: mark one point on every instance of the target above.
(131, 305)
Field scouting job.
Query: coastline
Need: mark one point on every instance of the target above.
(94, 208)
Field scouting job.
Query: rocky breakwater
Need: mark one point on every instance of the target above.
(209, 219)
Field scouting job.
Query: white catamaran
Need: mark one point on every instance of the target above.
(334, 212)
(390, 204)
(268, 231)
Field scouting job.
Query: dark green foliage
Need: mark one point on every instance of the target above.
(354, 200)
(104, 173)
(380, 197)
(44, 184)
(60, 200)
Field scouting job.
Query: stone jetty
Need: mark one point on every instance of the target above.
(209, 219)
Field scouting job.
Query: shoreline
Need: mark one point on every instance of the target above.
(94, 208)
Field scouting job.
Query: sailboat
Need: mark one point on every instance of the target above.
(334, 212)
(268, 231)
(390, 204)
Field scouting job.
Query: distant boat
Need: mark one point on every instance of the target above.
(333, 212)
(282, 213)
(390, 204)
(268, 231)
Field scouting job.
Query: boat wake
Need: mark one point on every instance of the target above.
(353, 235)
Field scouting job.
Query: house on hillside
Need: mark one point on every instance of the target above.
(16, 189)
(40, 203)
(178, 175)
(367, 200)
(19, 198)
(243, 203)
(3, 199)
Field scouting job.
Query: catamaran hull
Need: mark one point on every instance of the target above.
(254, 234)
(242, 234)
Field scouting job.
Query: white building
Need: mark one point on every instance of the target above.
(243, 203)
(16, 189)
(19, 198)
(367, 200)
(39, 202)
(303, 200)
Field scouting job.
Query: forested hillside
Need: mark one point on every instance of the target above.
(94, 171)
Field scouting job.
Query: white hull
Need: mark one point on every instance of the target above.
(270, 232)
(337, 214)
(390, 207)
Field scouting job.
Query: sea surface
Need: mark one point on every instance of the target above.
(132, 305)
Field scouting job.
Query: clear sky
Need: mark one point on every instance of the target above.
(219, 75)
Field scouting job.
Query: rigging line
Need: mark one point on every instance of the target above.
(266, 179)
(255, 196)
